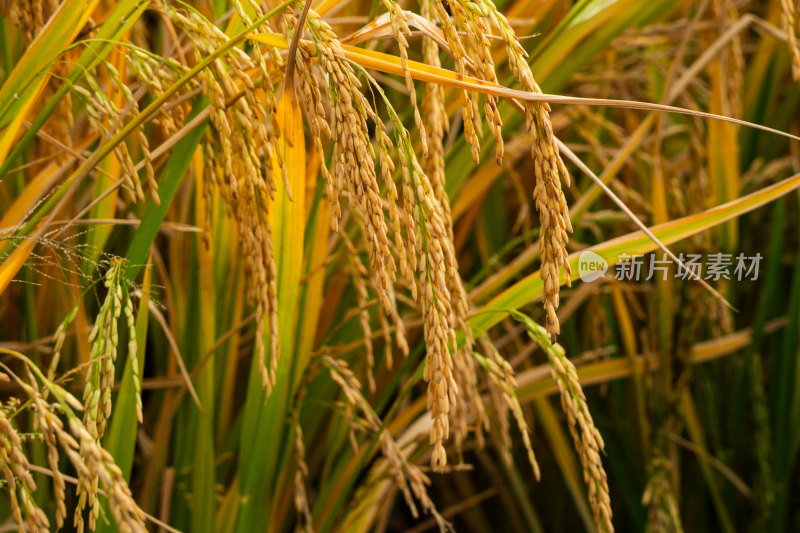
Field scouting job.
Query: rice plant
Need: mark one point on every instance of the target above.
(340, 266)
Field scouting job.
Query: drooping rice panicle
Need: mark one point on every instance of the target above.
(440, 286)
(411, 481)
(353, 160)
(549, 171)
(144, 143)
(475, 30)
(400, 30)
(587, 439)
(238, 152)
(502, 387)
(101, 113)
(94, 465)
(469, 105)
(100, 377)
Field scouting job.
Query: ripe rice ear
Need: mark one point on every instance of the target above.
(15, 470)
(587, 439)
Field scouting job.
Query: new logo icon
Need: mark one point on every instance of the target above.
(591, 266)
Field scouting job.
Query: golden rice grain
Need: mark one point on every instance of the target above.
(49, 424)
(457, 49)
(30, 15)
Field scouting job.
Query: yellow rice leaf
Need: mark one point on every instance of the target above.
(10, 134)
(325, 6)
(314, 282)
(390, 64)
(26, 200)
(14, 262)
(723, 153)
(32, 192)
(31, 73)
(287, 216)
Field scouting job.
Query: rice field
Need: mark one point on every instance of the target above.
(346, 266)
